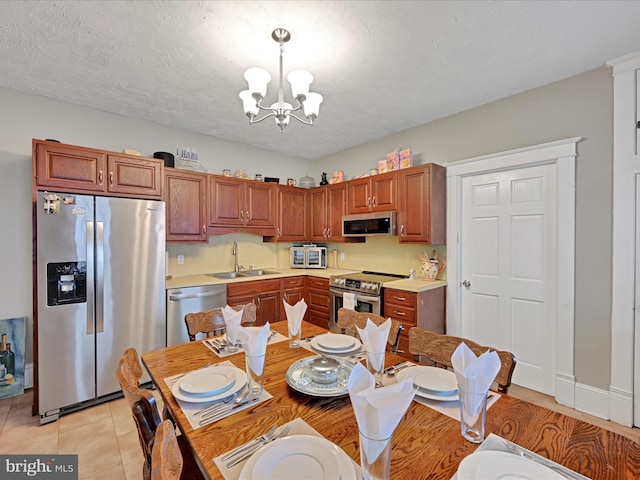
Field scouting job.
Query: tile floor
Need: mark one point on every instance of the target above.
(106, 440)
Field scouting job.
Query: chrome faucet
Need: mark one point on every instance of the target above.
(236, 267)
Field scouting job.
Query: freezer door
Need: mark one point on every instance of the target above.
(130, 283)
(66, 348)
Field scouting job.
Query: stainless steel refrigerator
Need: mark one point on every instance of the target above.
(100, 290)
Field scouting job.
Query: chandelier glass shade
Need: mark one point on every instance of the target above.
(308, 103)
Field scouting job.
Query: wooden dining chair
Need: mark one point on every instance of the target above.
(348, 320)
(439, 348)
(144, 409)
(166, 457)
(212, 321)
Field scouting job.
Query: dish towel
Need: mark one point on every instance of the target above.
(374, 337)
(474, 374)
(378, 411)
(295, 314)
(349, 300)
(232, 320)
(254, 343)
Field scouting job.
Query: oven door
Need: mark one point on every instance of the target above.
(364, 303)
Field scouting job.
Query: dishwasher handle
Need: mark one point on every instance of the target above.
(184, 296)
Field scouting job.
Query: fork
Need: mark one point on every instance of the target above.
(253, 450)
(262, 438)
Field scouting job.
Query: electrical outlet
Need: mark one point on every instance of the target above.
(341, 255)
(180, 259)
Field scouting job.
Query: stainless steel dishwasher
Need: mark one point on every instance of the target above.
(181, 301)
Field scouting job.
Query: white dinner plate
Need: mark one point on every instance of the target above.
(431, 380)
(356, 345)
(336, 341)
(299, 457)
(208, 381)
(493, 465)
(240, 381)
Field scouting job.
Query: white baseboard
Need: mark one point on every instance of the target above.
(565, 389)
(621, 406)
(591, 400)
(28, 375)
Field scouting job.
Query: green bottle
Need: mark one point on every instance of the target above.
(10, 360)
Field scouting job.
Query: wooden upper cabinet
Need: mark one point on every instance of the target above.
(238, 202)
(68, 167)
(422, 205)
(79, 169)
(318, 214)
(260, 205)
(137, 176)
(377, 193)
(291, 208)
(226, 201)
(336, 208)
(186, 206)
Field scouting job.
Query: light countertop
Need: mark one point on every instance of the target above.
(408, 285)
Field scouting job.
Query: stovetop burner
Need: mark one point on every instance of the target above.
(367, 282)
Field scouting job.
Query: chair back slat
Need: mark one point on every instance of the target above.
(349, 319)
(211, 322)
(439, 348)
(166, 456)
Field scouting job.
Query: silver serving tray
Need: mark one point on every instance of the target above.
(299, 378)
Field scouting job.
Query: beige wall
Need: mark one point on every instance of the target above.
(578, 106)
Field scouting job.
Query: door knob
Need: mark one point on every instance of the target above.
(466, 283)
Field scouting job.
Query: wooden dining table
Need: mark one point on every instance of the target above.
(426, 443)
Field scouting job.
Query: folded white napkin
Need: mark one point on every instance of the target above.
(374, 337)
(254, 342)
(349, 300)
(232, 320)
(474, 374)
(295, 314)
(378, 410)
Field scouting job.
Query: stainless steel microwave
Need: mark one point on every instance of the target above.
(308, 256)
(369, 224)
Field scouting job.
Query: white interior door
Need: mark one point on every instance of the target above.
(508, 268)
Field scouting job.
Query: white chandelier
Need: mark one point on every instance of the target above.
(300, 80)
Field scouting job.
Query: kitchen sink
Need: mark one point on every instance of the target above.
(224, 275)
(243, 273)
(257, 273)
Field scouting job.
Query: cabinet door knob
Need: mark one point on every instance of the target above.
(111, 178)
(100, 177)
(374, 202)
(402, 230)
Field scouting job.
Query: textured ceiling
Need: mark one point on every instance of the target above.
(382, 67)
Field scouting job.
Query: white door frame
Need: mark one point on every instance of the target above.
(562, 154)
(626, 167)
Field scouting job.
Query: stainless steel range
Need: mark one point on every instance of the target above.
(364, 290)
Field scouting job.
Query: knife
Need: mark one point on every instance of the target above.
(210, 343)
(223, 413)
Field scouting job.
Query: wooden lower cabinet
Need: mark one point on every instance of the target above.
(317, 298)
(292, 293)
(425, 310)
(264, 293)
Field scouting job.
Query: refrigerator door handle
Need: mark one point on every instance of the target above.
(91, 294)
(185, 296)
(99, 277)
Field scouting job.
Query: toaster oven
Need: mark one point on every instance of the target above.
(308, 256)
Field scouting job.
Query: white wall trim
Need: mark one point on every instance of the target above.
(28, 375)
(626, 166)
(561, 153)
(593, 401)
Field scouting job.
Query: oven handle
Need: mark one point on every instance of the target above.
(359, 296)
